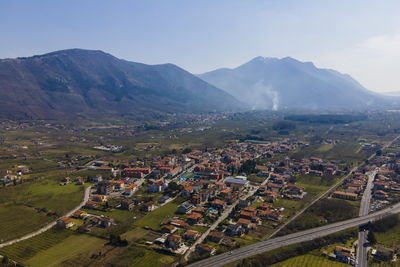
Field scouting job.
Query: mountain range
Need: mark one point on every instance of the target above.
(76, 82)
(279, 84)
(79, 82)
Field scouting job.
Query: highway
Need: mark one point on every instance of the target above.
(364, 210)
(324, 194)
(330, 189)
(290, 239)
(306, 235)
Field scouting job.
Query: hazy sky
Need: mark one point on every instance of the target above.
(358, 37)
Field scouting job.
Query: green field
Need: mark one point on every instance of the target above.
(26, 249)
(309, 261)
(26, 207)
(158, 216)
(65, 250)
(20, 220)
(118, 215)
(325, 147)
(141, 257)
(390, 238)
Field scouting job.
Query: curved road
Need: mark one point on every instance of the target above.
(50, 225)
(290, 239)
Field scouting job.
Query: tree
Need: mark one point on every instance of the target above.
(187, 150)
(5, 261)
(248, 167)
(371, 238)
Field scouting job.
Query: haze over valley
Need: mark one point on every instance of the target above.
(199, 133)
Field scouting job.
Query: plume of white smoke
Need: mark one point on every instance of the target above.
(262, 92)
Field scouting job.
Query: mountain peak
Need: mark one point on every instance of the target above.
(273, 83)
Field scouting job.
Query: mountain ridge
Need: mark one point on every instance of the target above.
(286, 83)
(83, 82)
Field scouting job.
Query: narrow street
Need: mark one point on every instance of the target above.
(223, 216)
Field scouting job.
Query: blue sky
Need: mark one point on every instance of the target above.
(361, 38)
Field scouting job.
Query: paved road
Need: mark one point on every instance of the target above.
(47, 227)
(364, 210)
(223, 216)
(298, 237)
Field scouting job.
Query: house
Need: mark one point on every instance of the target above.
(106, 221)
(174, 241)
(149, 206)
(193, 218)
(220, 185)
(97, 178)
(191, 234)
(342, 254)
(118, 184)
(157, 187)
(344, 195)
(235, 230)
(169, 228)
(79, 181)
(105, 188)
(231, 198)
(79, 214)
(196, 200)
(179, 223)
(292, 189)
(136, 172)
(261, 189)
(64, 222)
(164, 198)
(218, 204)
(316, 173)
(245, 223)
(270, 196)
(379, 194)
(264, 206)
(215, 236)
(244, 203)
(246, 215)
(205, 194)
(104, 169)
(204, 249)
(185, 207)
(251, 210)
(270, 215)
(23, 169)
(274, 187)
(127, 204)
(236, 183)
(91, 205)
(65, 181)
(226, 192)
(99, 198)
(200, 210)
(130, 189)
(187, 191)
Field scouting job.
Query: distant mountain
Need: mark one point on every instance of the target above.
(272, 83)
(92, 83)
